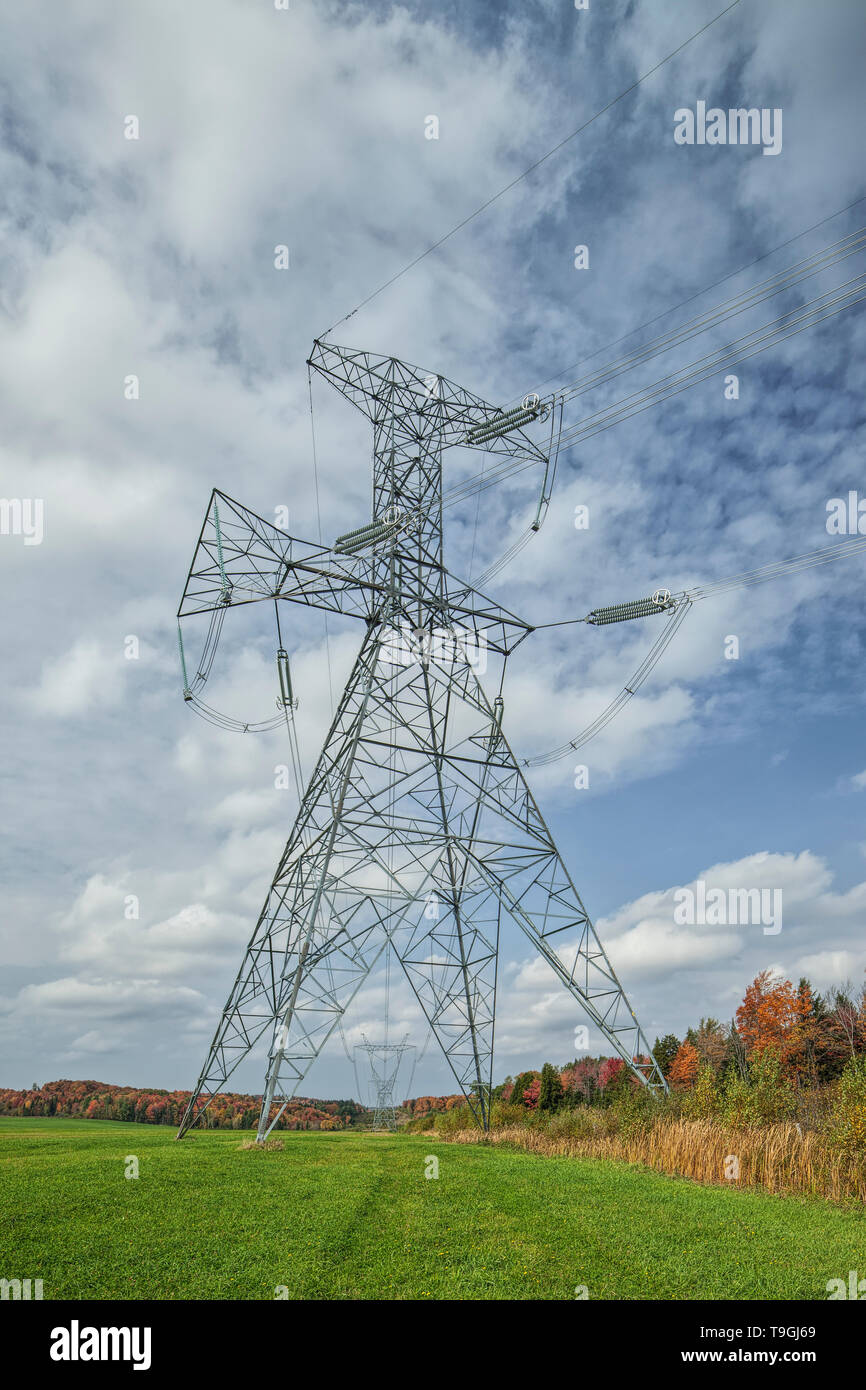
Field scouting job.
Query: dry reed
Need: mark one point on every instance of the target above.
(779, 1158)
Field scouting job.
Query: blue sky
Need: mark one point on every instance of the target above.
(155, 257)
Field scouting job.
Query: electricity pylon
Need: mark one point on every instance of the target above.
(417, 826)
(384, 1061)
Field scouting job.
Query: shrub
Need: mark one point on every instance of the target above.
(452, 1121)
(847, 1122)
(635, 1108)
(765, 1096)
(684, 1068)
(703, 1099)
(502, 1113)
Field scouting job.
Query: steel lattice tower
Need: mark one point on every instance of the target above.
(384, 1061)
(416, 798)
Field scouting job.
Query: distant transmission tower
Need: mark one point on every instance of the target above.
(417, 828)
(384, 1061)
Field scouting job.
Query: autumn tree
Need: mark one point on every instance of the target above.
(520, 1084)
(685, 1067)
(803, 1048)
(768, 1013)
(710, 1041)
(531, 1093)
(735, 1062)
(580, 1080)
(845, 1024)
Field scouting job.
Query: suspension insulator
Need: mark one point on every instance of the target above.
(358, 531)
(367, 535)
(503, 423)
(639, 608)
(286, 700)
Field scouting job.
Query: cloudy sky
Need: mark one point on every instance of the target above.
(154, 257)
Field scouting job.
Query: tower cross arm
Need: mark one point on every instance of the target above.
(475, 614)
(242, 558)
(419, 404)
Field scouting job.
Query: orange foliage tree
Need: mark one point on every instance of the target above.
(684, 1068)
(773, 1017)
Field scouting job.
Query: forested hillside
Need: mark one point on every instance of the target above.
(95, 1100)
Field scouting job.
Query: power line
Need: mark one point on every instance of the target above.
(676, 611)
(319, 532)
(729, 308)
(532, 167)
(697, 295)
(739, 350)
(650, 661)
(780, 281)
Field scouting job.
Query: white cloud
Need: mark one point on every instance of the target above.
(78, 681)
(93, 1043)
(104, 999)
(828, 968)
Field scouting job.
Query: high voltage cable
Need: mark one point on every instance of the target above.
(780, 281)
(810, 559)
(580, 428)
(532, 167)
(681, 605)
(541, 510)
(665, 387)
(606, 347)
(727, 355)
(737, 304)
(650, 661)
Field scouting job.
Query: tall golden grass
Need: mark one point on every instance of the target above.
(779, 1158)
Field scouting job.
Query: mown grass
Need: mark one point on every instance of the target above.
(342, 1216)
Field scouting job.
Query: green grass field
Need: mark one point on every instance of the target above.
(353, 1216)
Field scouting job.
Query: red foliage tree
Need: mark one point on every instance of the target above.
(608, 1071)
(531, 1093)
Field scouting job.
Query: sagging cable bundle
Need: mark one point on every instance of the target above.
(677, 610)
(677, 606)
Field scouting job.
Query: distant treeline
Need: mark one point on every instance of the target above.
(96, 1100)
(423, 1105)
